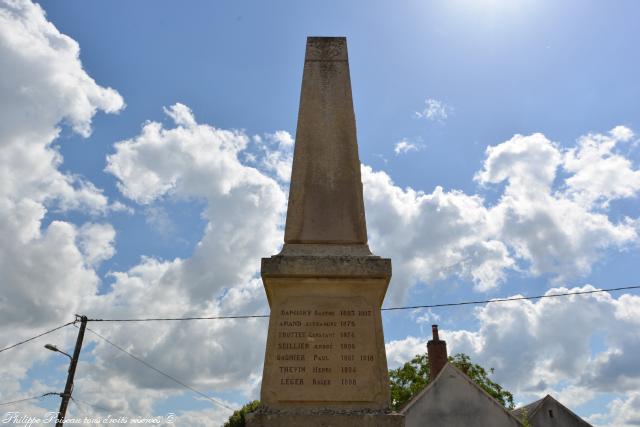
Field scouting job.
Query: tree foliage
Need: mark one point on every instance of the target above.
(407, 380)
(237, 419)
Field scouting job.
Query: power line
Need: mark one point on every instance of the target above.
(33, 338)
(247, 316)
(148, 365)
(563, 294)
(412, 307)
(29, 398)
(217, 402)
(84, 414)
(93, 405)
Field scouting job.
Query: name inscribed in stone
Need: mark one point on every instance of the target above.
(324, 349)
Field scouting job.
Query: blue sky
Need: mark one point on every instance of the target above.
(138, 206)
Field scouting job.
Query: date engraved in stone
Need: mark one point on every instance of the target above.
(326, 345)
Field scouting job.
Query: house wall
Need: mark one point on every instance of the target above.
(452, 401)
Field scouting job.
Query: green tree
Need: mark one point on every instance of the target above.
(407, 380)
(237, 419)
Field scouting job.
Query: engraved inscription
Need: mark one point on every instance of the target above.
(324, 346)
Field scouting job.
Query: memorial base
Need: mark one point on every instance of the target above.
(324, 419)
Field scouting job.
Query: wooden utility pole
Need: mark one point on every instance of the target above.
(68, 388)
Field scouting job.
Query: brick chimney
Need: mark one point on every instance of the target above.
(437, 352)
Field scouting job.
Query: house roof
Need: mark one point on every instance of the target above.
(451, 369)
(533, 407)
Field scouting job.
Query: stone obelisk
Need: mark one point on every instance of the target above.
(325, 361)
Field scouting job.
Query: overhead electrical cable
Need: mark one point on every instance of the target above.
(563, 294)
(33, 338)
(148, 365)
(92, 405)
(411, 307)
(29, 398)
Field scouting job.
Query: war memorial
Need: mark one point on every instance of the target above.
(325, 361)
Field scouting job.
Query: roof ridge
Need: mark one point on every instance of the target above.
(531, 408)
(415, 398)
(483, 391)
(465, 377)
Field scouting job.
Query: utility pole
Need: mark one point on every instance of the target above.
(68, 388)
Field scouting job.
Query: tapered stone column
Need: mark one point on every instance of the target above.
(325, 362)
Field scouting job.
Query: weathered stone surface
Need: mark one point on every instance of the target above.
(296, 249)
(325, 347)
(325, 419)
(326, 266)
(325, 361)
(325, 197)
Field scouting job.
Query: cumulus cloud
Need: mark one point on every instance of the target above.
(44, 84)
(403, 350)
(528, 163)
(51, 271)
(548, 226)
(622, 412)
(434, 110)
(544, 222)
(96, 242)
(432, 236)
(48, 268)
(276, 152)
(532, 356)
(404, 146)
(244, 209)
(600, 173)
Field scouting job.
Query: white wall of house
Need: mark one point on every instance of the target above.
(453, 400)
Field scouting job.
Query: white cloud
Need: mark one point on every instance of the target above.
(622, 133)
(600, 174)
(538, 225)
(96, 242)
(244, 207)
(283, 138)
(432, 236)
(425, 317)
(402, 351)
(434, 110)
(547, 227)
(244, 213)
(48, 268)
(49, 271)
(533, 356)
(404, 146)
(528, 163)
(158, 218)
(429, 236)
(44, 84)
(622, 412)
(277, 154)
(181, 115)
